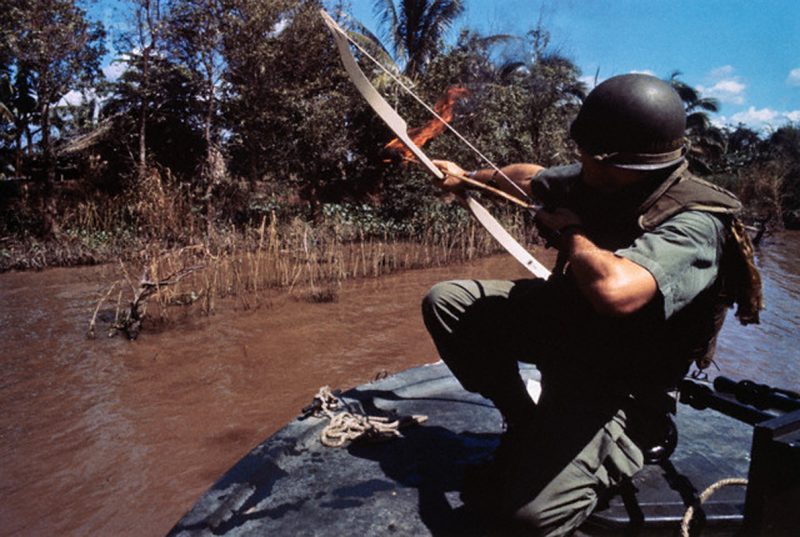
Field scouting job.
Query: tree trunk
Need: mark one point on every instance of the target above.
(150, 18)
(210, 166)
(18, 152)
(29, 140)
(48, 204)
(142, 169)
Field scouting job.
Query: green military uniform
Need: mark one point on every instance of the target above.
(596, 371)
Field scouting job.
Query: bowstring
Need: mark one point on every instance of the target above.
(434, 114)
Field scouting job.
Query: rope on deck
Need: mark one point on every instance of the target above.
(705, 495)
(348, 424)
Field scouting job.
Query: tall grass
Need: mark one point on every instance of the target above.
(310, 261)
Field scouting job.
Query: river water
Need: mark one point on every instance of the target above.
(111, 437)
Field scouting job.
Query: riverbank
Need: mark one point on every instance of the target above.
(159, 280)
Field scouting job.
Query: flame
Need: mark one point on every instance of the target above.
(444, 106)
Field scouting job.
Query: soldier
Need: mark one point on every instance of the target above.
(649, 260)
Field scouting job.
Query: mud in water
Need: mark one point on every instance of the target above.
(111, 437)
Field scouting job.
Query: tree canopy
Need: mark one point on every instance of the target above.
(243, 108)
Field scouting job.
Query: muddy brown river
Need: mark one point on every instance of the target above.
(111, 437)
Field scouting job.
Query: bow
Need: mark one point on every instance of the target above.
(398, 125)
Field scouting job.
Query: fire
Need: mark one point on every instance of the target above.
(444, 106)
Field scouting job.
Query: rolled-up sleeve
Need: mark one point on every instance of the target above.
(682, 254)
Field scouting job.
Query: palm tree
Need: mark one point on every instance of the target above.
(707, 142)
(18, 107)
(415, 29)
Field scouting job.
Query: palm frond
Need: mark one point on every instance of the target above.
(388, 18)
(509, 69)
(492, 40)
(6, 113)
(415, 28)
(371, 43)
(687, 93)
(697, 121)
(709, 104)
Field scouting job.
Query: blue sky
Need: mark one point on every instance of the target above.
(746, 53)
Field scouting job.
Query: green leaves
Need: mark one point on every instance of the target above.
(416, 28)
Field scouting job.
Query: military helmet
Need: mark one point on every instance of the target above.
(632, 121)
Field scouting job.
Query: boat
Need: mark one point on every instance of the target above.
(292, 484)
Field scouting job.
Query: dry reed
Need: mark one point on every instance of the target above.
(308, 261)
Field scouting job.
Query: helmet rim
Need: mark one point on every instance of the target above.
(642, 161)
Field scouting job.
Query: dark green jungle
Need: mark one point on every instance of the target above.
(231, 131)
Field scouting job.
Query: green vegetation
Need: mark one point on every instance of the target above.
(230, 113)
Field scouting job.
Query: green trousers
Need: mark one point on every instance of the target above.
(580, 447)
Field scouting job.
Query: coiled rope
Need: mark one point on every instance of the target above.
(348, 423)
(705, 495)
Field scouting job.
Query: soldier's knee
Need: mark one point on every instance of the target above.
(534, 521)
(436, 300)
(547, 517)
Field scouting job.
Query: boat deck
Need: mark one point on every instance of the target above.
(292, 485)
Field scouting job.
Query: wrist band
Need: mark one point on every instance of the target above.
(472, 174)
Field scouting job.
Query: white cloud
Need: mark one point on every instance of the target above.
(760, 119)
(724, 85)
(115, 69)
(729, 86)
(722, 121)
(279, 27)
(79, 98)
(794, 77)
(728, 90)
(592, 81)
(725, 71)
(72, 98)
(751, 115)
(589, 81)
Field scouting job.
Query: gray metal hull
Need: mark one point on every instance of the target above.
(292, 485)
